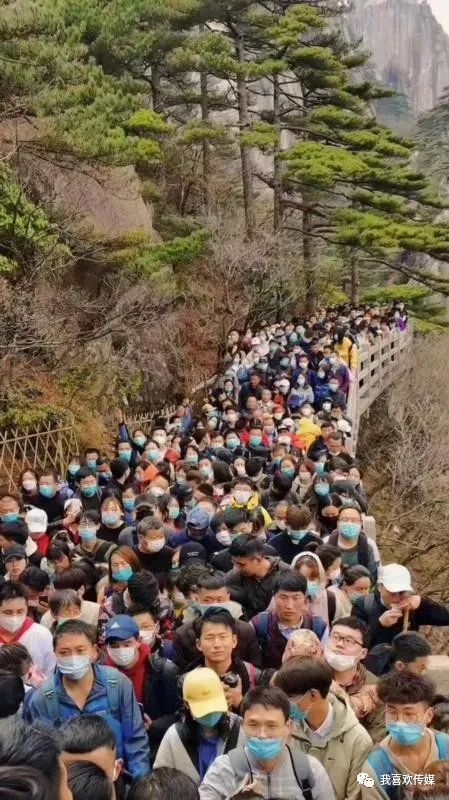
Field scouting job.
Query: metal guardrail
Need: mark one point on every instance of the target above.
(380, 364)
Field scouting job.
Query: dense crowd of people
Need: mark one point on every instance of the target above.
(206, 614)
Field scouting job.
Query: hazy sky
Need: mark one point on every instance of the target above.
(441, 11)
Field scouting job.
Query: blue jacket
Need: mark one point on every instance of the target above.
(112, 697)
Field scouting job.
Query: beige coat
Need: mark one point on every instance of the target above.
(344, 752)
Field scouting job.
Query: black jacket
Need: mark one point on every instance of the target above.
(370, 608)
(223, 561)
(287, 549)
(185, 651)
(254, 595)
(162, 697)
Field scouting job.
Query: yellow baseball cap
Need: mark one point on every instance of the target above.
(203, 691)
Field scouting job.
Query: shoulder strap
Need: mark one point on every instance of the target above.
(368, 603)
(442, 740)
(331, 605)
(381, 765)
(233, 734)
(363, 550)
(110, 678)
(262, 626)
(240, 764)
(303, 772)
(48, 690)
(253, 674)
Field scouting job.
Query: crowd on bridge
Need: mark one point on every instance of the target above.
(206, 614)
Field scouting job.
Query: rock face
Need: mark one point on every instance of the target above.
(410, 49)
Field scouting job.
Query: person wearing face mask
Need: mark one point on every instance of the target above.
(89, 492)
(16, 627)
(411, 744)
(80, 686)
(91, 545)
(321, 602)
(298, 534)
(353, 544)
(154, 678)
(324, 724)
(205, 730)
(355, 582)
(49, 498)
(152, 551)
(112, 522)
(28, 484)
(345, 650)
(280, 490)
(265, 761)
(251, 388)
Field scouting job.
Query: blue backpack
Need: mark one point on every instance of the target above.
(380, 764)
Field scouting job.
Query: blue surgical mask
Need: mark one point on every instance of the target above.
(91, 463)
(255, 441)
(12, 517)
(264, 749)
(285, 362)
(74, 667)
(110, 519)
(192, 459)
(122, 575)
(355, 596)
(210, 720)
(406, 733)
(296, 714)
(297, 536)
(73, 469)
(231, 444)
(153, 455)
(129, 503)
(88, 491)
(313, 589)
(289, 472)
(350, 530)
(47, 491)
(88, 534)
(126, 455)
(139, 441)
(322, 489)
(173, 512)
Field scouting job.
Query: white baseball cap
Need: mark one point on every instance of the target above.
(395, 578)
(37, 520)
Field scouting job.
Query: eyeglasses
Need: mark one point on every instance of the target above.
(345, 640)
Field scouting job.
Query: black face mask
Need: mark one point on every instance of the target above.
(196, 534)
(329, 523)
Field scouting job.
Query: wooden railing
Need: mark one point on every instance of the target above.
(380, 364)
(36, 447)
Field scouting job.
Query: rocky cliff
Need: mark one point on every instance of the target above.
(410, 51)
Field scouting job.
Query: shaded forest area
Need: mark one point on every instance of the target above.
(263, 184)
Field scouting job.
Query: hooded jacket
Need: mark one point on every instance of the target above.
(319, 606)
(343, 752)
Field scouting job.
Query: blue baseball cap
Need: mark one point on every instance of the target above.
(121, 627)
(198, 518)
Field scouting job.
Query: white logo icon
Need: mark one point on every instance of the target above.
(364, 780)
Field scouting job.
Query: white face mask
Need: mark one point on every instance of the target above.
(242, 498)
(338, 661)
(149, 637)
(335, 574)
(157, 491)
(29, 486)
(224, 538)
(122, 656)
(12, 623)
(160, 439)
(154, 546)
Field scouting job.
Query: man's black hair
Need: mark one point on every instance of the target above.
(87, 781)
(86, 733)
(75, 627)
(91, 450)
(242, 480)
(72, 578)
(164, 783)
(268, 698)
(215, 616)
(35, 578)
(149, 523)
(90, 516)
(356, 625)
(300, 675)
(12, 692)
(246, 546)
(212, 581)
(187, 580)
(405, 688)
(408, 646)
(24, 784)
(290, 581)
(34, 746)
(84, 472)
(13, 591)
(143, 589)
(15, 531)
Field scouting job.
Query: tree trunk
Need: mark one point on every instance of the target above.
(206, 144)
(309, 255)
(277, 167)
(355, 280)
(245, 151)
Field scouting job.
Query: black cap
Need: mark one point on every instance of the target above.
(192, 552)
(17, 531)
(15, 551)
